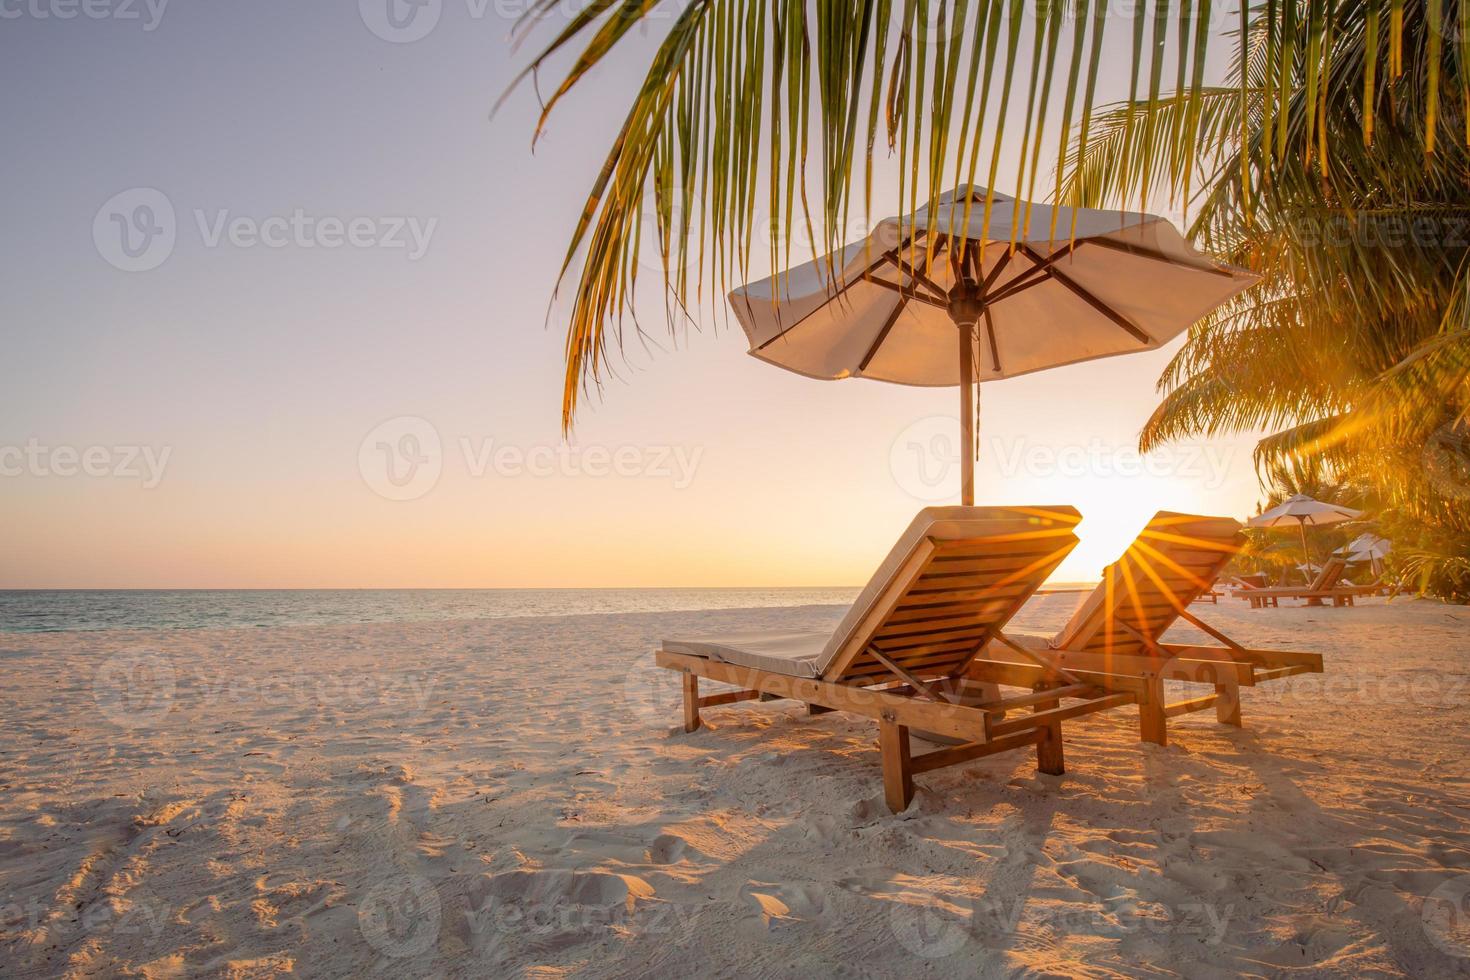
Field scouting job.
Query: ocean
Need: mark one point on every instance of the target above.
(45, 611)
(56, 610)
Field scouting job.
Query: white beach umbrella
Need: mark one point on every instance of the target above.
(1301, 510)
(950, 298)
(1366, 547)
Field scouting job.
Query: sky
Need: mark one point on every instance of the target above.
(277, 313)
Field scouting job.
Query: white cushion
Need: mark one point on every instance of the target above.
(793, 654)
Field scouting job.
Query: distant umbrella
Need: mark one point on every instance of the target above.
(1302, 510)
(1366, 547)
(948, 298)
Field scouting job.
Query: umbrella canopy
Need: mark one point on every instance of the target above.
(1366, 547)
(944, 298)
(1302, 510)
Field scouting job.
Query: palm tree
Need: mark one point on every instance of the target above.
(1333, 162)
(743, 98)
(1353, 350)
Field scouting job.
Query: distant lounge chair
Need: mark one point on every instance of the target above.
(1117, 630)
(1212, 596)
(1329, 584)
(948, 587)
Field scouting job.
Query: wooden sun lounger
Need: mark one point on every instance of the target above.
(1327, 585)
(1117, 631)
(900, 654)
(1213, 596)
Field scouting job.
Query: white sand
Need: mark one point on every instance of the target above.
(511, 798)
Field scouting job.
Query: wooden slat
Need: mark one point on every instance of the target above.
(957, 613)
(945, 719)
(1193, 704)
(1258, 658)
(902, 646)
(1074, 710)
(1005, 598)
(930, 761)
(1041, 697)
(729, 697)
(912, 680)
(1203, 670)
(935, 607)
(930, 581)
(962, 564)
(910, 631)
(1280, 672)
(930, 664)
(1015, 674)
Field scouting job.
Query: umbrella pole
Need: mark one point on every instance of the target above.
(967, 414)
(1306, 555)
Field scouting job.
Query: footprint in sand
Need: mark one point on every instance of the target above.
(777, 902)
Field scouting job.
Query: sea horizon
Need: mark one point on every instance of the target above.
(90, 610)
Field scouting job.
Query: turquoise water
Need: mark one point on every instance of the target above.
(42, 611)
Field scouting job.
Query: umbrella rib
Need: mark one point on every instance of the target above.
(990, 332)
(995, 273)
(1033, 276)
(921, 277)
(1091, 300)
(906, 292)
(1148, 253)
(861, 277)
(883, 333)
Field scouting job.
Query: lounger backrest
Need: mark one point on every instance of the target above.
(1330, 575)
(955, 576)
(1175, 559)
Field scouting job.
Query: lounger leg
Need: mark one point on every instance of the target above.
(1049, 742)
(1227, 702)
(1151, 721)
(691, 702)
(898, 774)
